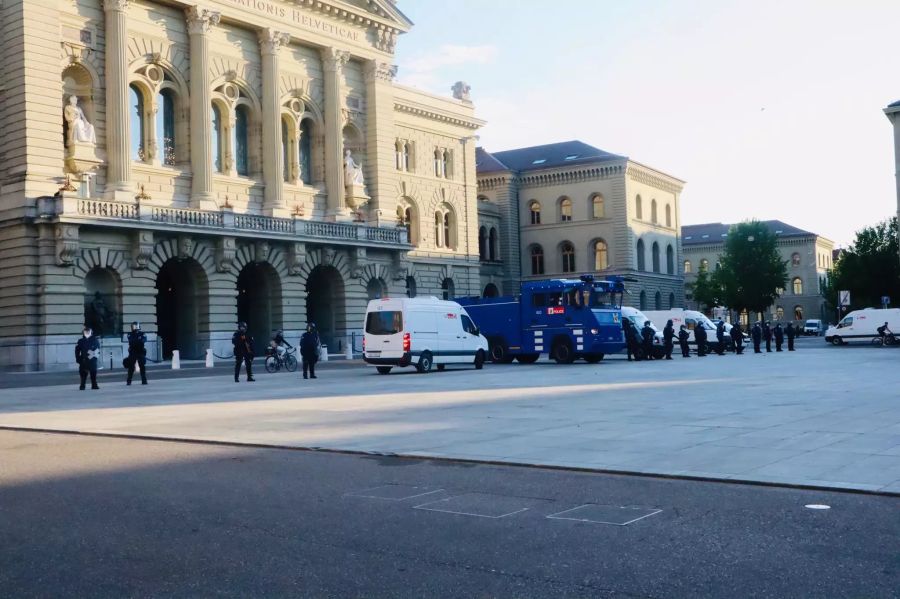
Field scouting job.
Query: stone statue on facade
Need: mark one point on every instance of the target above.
(79, 129)
(100, 317)
(462, 91)
(353, 173)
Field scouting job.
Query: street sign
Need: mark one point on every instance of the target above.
(885, 301)
(844, 298)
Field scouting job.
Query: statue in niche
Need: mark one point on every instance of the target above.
(353, 173)
(79, 129)
(100, 317)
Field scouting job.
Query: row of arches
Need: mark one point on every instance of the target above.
(565, 209)
(599, 251)
(445, 224)
(655, 258)
(657, 301)
(654, 211)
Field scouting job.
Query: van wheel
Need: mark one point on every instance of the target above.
(499, 352)
(837, 341)
(383, 369)
(593, 358)
(562, 352)
(479, 360)
(528, 358)
(425, 362)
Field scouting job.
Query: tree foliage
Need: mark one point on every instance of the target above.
(869, 269)
(752, 270)
(706, 290)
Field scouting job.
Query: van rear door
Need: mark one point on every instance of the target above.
(384, 332)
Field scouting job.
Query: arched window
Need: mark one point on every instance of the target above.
(449, 290)
(744, 317)
(704, 265)
(241, 140)
(410, 287)
(795, 259)
(482, 243)
(798, 313)
(537, 260)
(448, 231)
(438, 229)
(688, 269)
(654, 253)
(165, 126)
(668, 215)
(136, 120)
(643, 300)
(670, 260)
(446, 166)
(653, 218)
(493, 250)
(565, 210)
(638, 207)
(304, 150)
(439, 163)
(535, 208)
(598, 210)
(657, 301)
(797, 284)
(490, 290)
(601, 255)
(285, 149)
(375, 289)
(671, 301)
(411, 226)
(568, 257)
(641, 258)
(216, 140)
(779, 313)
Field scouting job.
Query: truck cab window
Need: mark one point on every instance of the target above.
(467, 325)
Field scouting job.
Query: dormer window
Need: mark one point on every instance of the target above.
(539, 161)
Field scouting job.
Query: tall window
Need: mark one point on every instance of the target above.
(668, 215)
(304, 151)
(568, 257)
(136, 118)
(448, 240)
(165, 126)
(535, 209)
(795, 259)
(641, 258)
(410, 287)
(448, 289)
(653, 218)
(704, 265)
(638, 207)
(537, 260)
(493, 249)
(779, 313)
(565, 210)
(688, 269)
(657, 301)
(411, 227)
(446, 167)
(798, 313)
(402, 155)
(601, 255)
(670, 260)
(441, 162)
(285, 150)
(797, 284)
(671, 301)
(241, 142)
(597, 208)
(654, 254)
(643, 300)
(482, 243)
(216, 141)
(438, 228)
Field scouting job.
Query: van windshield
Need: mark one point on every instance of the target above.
(384, 323)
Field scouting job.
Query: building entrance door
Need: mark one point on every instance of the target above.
(181, 307)
(259, 303)
(325, 305)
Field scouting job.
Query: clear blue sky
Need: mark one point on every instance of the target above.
(768, 109)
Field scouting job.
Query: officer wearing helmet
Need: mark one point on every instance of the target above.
(87, 354)
(309, 350)
(137, 353)
(243, 352)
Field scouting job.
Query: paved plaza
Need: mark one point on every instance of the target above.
(822, 416)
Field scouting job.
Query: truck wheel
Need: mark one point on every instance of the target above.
(593, 358)
(562, 352)
(837, 341)
(383, 369)
(528, 358)
(425, 362)
(479, 360)
(499, 352)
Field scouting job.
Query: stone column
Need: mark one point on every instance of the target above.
(381, 166)
(270, 43)
(199, 21)
(333, 61)
(893, 115)
(118, 154)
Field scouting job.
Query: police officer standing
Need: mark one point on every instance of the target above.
(767, 333)
(720, 338)
(647, 334)
(791, 332)
(756, 333)
(683, 337)
(137, 353)
(309, 350)
(87, 353)
(700, 337)
(779, 336)
(243, 352)
(668, 338)
(737, 337)
(628, 331)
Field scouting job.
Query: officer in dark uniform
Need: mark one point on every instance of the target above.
(767, 334)
(737, 336)
(720, 338)
(791, 332)
(137, 353)
(628, 331)
(700, 337)
(647, 334)
(779, 336)
(669, 338)
(756, 333)
(309, 350)
(683, 337)
(87, 354)
(243, 352)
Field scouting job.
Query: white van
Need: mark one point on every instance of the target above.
(421, 332)
(813, 326)
(691, 319)
(862, 325)
(638, 318)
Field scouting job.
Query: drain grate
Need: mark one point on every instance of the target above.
(605, 514)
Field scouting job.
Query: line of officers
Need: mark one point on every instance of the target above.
(640, 342)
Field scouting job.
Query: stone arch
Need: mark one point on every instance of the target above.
(490, 290)
(259, 292)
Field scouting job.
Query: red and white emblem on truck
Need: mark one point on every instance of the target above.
(556, 310)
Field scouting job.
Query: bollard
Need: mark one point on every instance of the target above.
(349, 353)
(176, 360)
(323, 353)
(209, 359)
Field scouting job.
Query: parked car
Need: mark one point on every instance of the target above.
(813, 327)
(862, 325)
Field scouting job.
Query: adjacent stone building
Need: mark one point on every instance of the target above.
(566, 209)
(189, 165)
(809, 257)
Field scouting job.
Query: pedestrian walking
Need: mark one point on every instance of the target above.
(669, 338)
(779, 337)
(309, 350)
(683, 337)
(756, 334)
(791, 332)
(87, 354)
(737, 337)
(700, 337)
(137, 353)
(720, 337)
(767, 334)
(243, 352)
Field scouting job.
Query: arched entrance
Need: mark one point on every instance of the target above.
(103, 302)
(259, 302)
(182, 307)
(325, 304)
(490, 290)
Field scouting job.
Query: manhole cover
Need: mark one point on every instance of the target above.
(483, 505)
(394, 492)
(605, 514)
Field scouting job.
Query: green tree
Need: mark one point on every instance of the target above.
(869, 269)
(751, 269)
(706, 290)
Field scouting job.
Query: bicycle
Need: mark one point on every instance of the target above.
(275, 361)
(888, 339)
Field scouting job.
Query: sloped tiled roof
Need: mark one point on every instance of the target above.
(546, 156)
(485, 162)
(717, 232)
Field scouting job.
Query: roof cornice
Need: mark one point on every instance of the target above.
(650, 176)
(438, 115)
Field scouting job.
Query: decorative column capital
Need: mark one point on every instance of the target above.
(271, 41)
(200, 19)
(377, 70)
(119, 5)
(334, 60)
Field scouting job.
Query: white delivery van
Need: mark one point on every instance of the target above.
(862, 325)
(691, 319)
(421, 332)
(638, 318)
(813, 326)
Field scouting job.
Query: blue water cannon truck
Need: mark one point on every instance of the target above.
(569, 319)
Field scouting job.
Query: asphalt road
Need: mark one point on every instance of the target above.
(87, 516)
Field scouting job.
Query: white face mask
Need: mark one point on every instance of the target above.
(86, 334)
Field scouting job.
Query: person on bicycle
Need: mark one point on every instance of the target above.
(280, 343)
(883, 332)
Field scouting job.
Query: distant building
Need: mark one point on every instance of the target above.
(892, 111)
(809, 258)
(566, 209)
